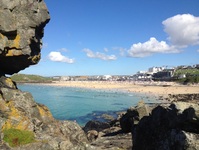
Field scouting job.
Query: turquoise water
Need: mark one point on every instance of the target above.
(81, 104)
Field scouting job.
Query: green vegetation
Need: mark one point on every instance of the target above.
(16, 137)
(187, 72)
(192, 75)
(24, 78)
(189, 79)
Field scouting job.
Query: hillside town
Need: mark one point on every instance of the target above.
(154, 73)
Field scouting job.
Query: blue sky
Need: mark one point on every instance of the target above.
(118, 37)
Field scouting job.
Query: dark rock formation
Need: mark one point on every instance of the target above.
(21, 30)
(172, 126)
(107, 135)
(96, 125)
(113, 139)
(133, 116)
(167, 128)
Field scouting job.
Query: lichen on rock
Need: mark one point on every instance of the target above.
(19, 111)
(21, 30)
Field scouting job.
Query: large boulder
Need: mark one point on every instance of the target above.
(133, 116)
(96, 125)
(21, 30)
(7, 82)
(170, 127)
(104, 135)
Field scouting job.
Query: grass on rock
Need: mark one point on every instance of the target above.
(16, 137)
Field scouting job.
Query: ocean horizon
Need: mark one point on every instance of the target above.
(82, 104)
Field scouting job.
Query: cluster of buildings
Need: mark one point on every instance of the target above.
(153, 73)
(92, 78)
(161, 73)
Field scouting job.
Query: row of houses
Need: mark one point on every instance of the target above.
(153, 73)
(91, 78)
(162, 73)
(188, 67)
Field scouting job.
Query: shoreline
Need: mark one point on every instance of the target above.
(157, 89)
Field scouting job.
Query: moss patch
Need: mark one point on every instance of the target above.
(16, 137)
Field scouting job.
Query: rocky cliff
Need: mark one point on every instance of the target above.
(19, 111)
(25, 124)
(21, 30)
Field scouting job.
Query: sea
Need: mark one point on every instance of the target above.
(81, 104)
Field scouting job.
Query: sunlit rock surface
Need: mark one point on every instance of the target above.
(22, 25)
(18, 110)
(21, 29)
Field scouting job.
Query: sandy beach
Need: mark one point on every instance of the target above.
(152, 88)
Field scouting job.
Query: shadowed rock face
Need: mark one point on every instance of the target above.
(172, 127)
(21, 30)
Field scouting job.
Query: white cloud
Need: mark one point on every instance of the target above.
(150, 47)
(57, 56)
(198, 50)
(99, 55)
(183, 30)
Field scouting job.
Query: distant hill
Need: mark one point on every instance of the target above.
(25, 78)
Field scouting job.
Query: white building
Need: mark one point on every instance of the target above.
(155, 69)
(107, 77)
(139, 72)
(65, 78)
